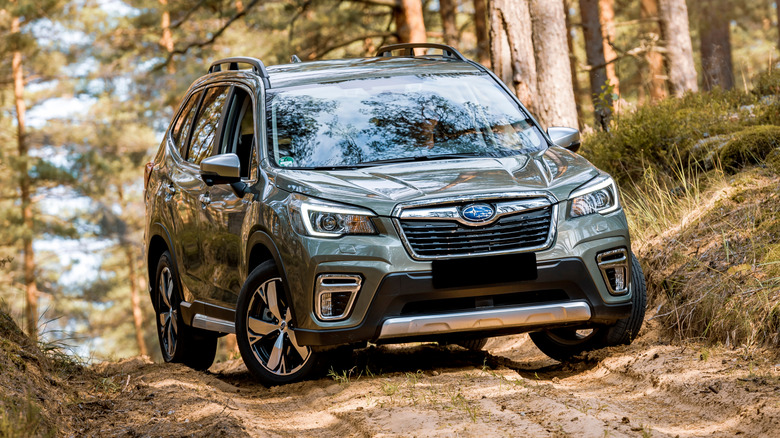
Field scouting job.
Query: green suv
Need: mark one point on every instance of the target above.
(404, 197)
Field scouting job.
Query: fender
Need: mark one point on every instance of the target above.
(259, 237)
(158, 229)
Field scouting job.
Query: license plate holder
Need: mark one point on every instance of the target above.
(474, 271)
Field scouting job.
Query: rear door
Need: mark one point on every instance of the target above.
(175, 180)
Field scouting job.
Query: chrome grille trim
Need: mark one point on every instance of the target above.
(533, 201)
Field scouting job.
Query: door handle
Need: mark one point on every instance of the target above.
(170, 190)
(205, 199)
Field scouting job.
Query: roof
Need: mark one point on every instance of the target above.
(303, 73)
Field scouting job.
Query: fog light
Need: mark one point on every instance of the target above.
(335, 294)
(614, 269)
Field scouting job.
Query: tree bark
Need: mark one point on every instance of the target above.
(655, 78)
(556, 96)
(575, 82)
(607, 21)
(409, 23)
(166, 40)
(135, 300)
(31, 289)
(512, 50)
(447, 9)
(594, 51)
(679, 51)
(481, 28)
(715, 38)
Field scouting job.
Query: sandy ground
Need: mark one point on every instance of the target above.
(647, 389)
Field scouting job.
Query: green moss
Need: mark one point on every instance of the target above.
(23, 418)
(773, 161)
(750, 146)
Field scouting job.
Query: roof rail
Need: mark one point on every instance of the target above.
(258, 67)
(447, 51)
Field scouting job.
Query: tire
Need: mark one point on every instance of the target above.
(263, 330)
(564, 343)
(179, 343)
(473, 344)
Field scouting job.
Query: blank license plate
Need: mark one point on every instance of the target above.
(474, 271)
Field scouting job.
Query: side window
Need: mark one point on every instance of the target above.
(204, 133)
(181, 127)
(239, 137)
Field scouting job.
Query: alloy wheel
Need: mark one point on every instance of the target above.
(167, 313)
(271, 338)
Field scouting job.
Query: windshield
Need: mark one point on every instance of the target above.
(359, 122)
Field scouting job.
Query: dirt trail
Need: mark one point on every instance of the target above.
(647, 389)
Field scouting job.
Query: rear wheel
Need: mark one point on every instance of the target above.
(473, 344)
(178, 342)
(564, 343)
(264, 331)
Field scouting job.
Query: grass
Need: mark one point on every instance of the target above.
(23, 418)
(699, 181)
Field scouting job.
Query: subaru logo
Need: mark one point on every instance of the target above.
(477, 212)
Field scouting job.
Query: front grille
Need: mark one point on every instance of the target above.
(440, 238)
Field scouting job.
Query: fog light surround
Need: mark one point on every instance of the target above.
(334, 295)
(614, 269)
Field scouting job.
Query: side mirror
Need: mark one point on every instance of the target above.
(568, 138)
(221, 169)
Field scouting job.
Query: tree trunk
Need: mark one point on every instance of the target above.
(481, 28)
(655, 79)
(607, 21)
(777, 8)
(135, 301)
(447, 9)
(556, 96)
(714, 33)
(679, 51)
(409, 23)
(31, 290)
(575, 82)
(166, 40)
(594, 50)
(511, 49)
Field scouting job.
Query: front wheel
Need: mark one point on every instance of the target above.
(564, 343)
(264, 331)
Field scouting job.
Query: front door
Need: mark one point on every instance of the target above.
(226, 211)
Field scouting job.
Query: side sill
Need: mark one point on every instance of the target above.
(213, 324)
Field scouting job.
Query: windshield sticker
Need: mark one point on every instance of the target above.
(286, 161)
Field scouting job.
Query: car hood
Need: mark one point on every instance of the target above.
(556, 171)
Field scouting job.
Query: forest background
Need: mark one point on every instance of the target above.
(89, 87)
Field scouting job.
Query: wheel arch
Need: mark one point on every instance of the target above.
(159, 242)
(261, 248)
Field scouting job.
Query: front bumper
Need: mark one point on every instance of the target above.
(406, 306)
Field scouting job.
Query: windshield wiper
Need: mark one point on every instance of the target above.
(417, 158)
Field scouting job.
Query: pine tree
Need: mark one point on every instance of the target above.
(679, 50)
(556, 106)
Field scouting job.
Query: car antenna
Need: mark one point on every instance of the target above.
(295, 58)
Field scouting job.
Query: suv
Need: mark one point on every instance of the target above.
(389, 199)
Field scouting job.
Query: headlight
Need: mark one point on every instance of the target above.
(601, 197)
(326, 219)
